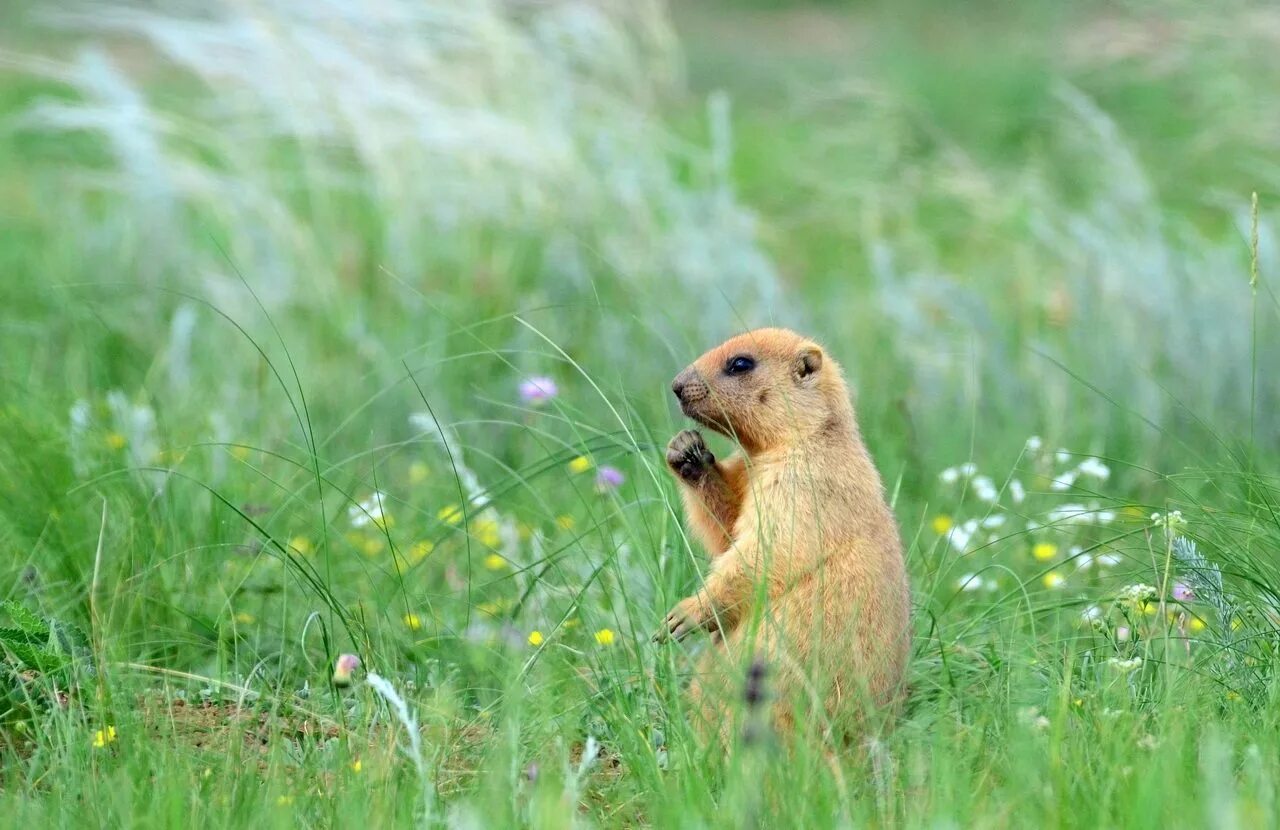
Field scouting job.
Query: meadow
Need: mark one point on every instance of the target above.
(330, 331)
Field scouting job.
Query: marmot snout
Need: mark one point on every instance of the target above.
(803, 545)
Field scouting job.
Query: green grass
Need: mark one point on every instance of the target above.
(226, 323)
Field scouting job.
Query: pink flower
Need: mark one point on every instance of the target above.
(536, 391)
(1183, 592)
(1122, 633)
(608, 478)
(342, 670)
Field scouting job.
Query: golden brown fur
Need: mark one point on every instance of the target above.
(807, 568)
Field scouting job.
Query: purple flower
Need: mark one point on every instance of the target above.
(345, 666)
(536, 391)
(1183, 592)
(608, 478)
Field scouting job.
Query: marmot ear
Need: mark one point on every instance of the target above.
(808, 362)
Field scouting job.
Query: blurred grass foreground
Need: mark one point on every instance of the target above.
(338, 335)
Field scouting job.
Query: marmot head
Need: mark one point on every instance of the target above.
(768, 388)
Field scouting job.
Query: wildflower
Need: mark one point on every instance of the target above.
(580, 464)
(949, 476)
(370, 511)
(356, 766)
(1183, 592)
(537, 391)
(1017, 492)
(343, 668)
(1093, 468)
(102, 737)
(1044, 551)
(1053, 579)
(1062, 456)
(451, 515)
(969, 582)
(495, 562)
(1123, 632)
(1034, 444)
(985, 489)
(1104, 517)
(535, 638)
(284, 801)
(418, 472)
(1063, 481)
(1168, 522)
(994, 521)
(565, 522)
(1070, 514)
(968, 468)
(941, 524)
(608, 478)
(1233, 696)
(1124, 666)
(961, 535)
(1093, 612)
(412, 621)
(1107, 560)
(420, 550)
(486, 532)
(372, 545)
(116, 441)
(302, 545)
(604, 637)
(244, 618)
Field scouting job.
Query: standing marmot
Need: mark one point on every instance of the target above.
(807, 568)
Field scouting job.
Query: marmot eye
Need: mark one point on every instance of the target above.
(739, 365)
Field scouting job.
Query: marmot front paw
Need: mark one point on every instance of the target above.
(688, 456)
(689, 615)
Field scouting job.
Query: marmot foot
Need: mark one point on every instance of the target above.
(688, 456)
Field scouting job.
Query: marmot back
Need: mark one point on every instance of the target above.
(807, 569)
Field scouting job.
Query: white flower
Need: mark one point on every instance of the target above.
(367, 512)
(1033, 525)
(1137, 593)
(968, 468)
(994, 520)
(1062, 456)
(1093, 612)
(1063, 481)
(1017, 492)
(990, 584)
(1104, 517)
(1107, 560)
(969, 582)
(1034, 444)
(1084, 561)
(962, 534)
(985, 489)
(423, 422)
(1124, 666)
(1174, 519)
(1070, 514)
(949, 476)
(1094, 468)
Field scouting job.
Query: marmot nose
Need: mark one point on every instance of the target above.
(681, 383)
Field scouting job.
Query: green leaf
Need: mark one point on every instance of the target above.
(24, 619)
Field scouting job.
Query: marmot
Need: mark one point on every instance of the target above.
(807, 569)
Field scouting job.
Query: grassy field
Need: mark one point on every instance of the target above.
(330, 332)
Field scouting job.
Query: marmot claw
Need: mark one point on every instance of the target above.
(688, 456)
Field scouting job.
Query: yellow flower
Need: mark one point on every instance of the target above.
(356, 766)
(104, 736)
(494, 562)
(420, 550)
(1196, 625)
(1150, 608)
(1233, 696)
(535, 638)
(605, 636)
(245, 619)
(418, 472)
(1044, 551)
(116, 441)
(372, 545)
(565, 522)
(451, 515)
(240, 453)
(413, 621)
(572, 622)
(284, 801)
(486, 532)
(302, 545)
(1053, 579)
(941, 524)
(580, 464)
(1236, 623)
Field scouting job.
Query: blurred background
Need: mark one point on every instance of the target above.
(359, 318)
